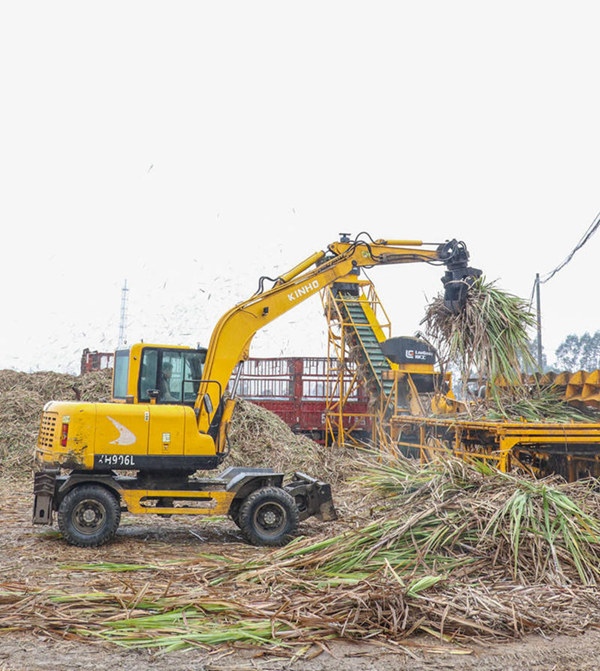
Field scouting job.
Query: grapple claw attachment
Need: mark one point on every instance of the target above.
(459, 276)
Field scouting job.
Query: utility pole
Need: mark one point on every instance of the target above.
(539, 322)
(123, 320)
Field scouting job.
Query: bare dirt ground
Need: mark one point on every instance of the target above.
(37, 558)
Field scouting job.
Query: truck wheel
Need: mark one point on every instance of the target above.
(89, 516)
(268, 516)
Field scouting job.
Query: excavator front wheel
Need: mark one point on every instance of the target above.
(89, 516)
(268, 516)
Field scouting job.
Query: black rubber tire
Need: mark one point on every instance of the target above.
(89, 516)
(268, 516)
(234, 512)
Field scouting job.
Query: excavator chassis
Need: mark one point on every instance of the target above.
(166, 495)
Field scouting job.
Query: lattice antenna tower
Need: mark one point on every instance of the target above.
(123, 320)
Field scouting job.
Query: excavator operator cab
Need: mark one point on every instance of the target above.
(157, 374)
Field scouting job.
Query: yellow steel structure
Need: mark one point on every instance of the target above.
(344, 373)
(427, 425)
(391, 387)
(215, 503)
(571, 450)
(580, 388)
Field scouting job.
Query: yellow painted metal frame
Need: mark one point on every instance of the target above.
(340, 386)
(218, 505)
(495, 442)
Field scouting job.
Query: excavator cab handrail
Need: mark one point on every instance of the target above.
(206, 399)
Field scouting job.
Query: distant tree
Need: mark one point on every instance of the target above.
(568, 353)
(579, 352)
(590, 351)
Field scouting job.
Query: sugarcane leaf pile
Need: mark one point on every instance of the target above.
(453, 549)
(259, 437)
(489, 336)
(488, 343)
(22, 398)
(449, 514)
(533, 403)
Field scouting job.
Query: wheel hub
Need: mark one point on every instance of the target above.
(88, 516)
(270, 517)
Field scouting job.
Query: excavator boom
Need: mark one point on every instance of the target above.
(233, 333)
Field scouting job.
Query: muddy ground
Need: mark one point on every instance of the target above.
(36, 557)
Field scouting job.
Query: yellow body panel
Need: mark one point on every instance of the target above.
(167, 426)
(196, 443)
(218, 502)
(119, 429)
(81, 420)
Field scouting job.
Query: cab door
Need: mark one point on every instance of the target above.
(167, 430)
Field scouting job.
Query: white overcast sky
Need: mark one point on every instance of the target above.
(190, 147)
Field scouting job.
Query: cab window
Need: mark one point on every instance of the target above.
(193, 363)
(175, 374)
(120, 373)
(170, 380)
(149, 373)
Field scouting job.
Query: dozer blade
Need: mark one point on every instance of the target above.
(312, 497)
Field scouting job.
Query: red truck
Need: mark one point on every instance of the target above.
(296, 389)
(95, 360)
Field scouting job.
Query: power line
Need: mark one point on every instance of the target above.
(535, 291)
(586, 236)
(593, 227)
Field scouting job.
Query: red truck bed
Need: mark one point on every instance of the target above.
(295, 389)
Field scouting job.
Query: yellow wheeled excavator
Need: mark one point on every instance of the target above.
(169, 415)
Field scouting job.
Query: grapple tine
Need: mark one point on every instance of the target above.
(459, 276)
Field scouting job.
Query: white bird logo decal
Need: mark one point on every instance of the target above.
(126, 437)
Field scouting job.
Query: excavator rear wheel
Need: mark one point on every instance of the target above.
(268, 516)
(89, 516)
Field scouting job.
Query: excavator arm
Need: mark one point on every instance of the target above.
(231, 338)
